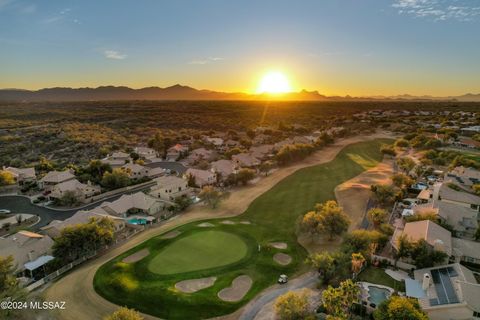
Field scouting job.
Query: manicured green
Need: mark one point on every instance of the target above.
(199, 251)
(273, 217)
(378, 276)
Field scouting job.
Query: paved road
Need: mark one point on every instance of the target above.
(174, 166)
(253, 307)
(20, 204)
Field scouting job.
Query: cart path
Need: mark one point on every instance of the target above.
(76, 288)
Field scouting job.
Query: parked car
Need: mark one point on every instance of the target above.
(4, 211)
(283, 279)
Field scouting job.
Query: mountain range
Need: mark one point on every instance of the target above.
(180, 92)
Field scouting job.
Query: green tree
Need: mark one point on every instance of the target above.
(376, 216)
(364, 241)
(401, 180)
(328, 218)
(384, 194)
(404, 248)
(211, 196)
(294, 306)
(477, 234)
(44, 165)
(244, 175)
(388, 150)
(402, 143)
(233, 151)
(338, 301)
(78, 240)
(115, 179)
(191, 181)
(424, 256)
(266, 166)
(6, 178)
(399, 308)
(324, 262)
(332, 219)
(124, 313)
(406, 164)
(68, 199)
(9, 287)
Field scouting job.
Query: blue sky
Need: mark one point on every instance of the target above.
(357, 47)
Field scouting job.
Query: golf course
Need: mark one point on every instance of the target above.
(231, 260)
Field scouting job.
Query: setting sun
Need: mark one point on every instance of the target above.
(274, 82)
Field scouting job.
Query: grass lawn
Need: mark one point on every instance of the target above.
(273, 217)
(199, 251)
(378, 276)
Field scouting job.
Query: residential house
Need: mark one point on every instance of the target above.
(137, 203)
(261, 152)
(245, 160)
(229, 144)
(448, 292)
(447, 194)
(155, 172)
(55, 227)
(136, 171)
(200, 154)
(145, 153)
(471, 131)
(463, 220)
(202, 177)
(224, 168)
(169, 188)
(21, 175)
(30, 251)
(117, 159)
(81, 191)
(217, 142)
(466, 250)
(260, 138)
(436, 236)
(53, 178)
(464, 176)
(465, 142)
(175, 152)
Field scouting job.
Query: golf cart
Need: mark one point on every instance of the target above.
(283, 279)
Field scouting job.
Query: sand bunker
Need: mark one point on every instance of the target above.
(282, 258)
(353, 194)
(245, 222)
(171, 234)
(194, 285)
(137, 256)
(238, 289)
(205, 225)
(279, 245)
(227, 222)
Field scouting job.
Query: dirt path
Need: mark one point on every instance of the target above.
(76, 289)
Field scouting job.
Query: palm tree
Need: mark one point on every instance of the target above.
(357, 262)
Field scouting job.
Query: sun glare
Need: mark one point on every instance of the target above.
(274, 82)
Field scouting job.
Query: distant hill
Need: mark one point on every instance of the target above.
(179, 92)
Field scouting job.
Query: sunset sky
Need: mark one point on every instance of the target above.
(367, 47)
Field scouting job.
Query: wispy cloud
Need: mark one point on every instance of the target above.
(60, 16)
(113, 54)
(206, 61)
(439, 10)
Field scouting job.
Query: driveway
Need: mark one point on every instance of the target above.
(21, 204)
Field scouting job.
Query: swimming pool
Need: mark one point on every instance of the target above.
(377, 295)
(137, 221)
